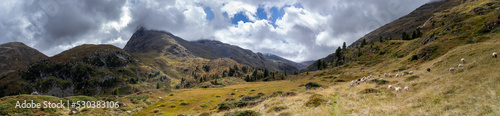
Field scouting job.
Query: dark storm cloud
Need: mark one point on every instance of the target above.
(51, 23)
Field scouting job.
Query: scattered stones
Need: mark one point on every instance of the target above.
(35, 93)
(75, 109)
(263, 107)
(72, 112)
(156, 111)
(291, 93)
(129, 112)
(122, 104)
(227, 113)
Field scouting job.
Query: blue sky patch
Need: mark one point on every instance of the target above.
(209, 12)
(277, 14)
(297, 5)
(134, 1)
(240, 16)
(261, 13)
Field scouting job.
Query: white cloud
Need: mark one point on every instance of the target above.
(307, 33)
(234, 7)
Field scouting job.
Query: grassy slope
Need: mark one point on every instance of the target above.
(135, 102)
(471, 90)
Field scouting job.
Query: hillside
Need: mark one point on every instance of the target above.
(83, 70)
(473, 34)
(408, 23)
(191, 64)
(16, 55)
(414, 24)
(148, 41)
(278, 58)
(334, 85)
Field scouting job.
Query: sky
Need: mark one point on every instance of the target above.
(299, 30)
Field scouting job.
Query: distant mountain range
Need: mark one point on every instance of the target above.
(152, 41)
(150, 57)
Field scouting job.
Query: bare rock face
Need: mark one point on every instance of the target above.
(60, 92)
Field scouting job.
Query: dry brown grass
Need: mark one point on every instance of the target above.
(472, 90)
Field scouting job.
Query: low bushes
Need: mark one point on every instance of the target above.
(226, 105)
(369, 90)
(245, 113)
(379, 82)
(412, 78)
(312, 85)
(277, 109)
(315, 100)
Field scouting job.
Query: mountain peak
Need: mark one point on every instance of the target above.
(155, 42)
(161, 43)
(16, 55)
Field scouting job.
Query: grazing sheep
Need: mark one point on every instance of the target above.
(352, 83)
(385, 74)
(389, 87)
(398, 89)
(403, 74)
(452, 70)
(494, 55)
(407, 88)
(411, 72)
(397, 75)
(463, 60)
(460, 65)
